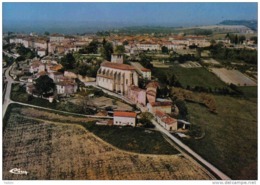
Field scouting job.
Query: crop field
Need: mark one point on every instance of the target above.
(230, 141)
(233, 76)
(48, 147)
(192, 76)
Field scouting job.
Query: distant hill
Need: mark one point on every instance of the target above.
(252, 24)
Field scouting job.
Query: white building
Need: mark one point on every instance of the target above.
(125, 118)
(166, 121)
(66, 87)
(145, 73)
(148, 46)
(41, 52)
(56, 38)
(116, 77)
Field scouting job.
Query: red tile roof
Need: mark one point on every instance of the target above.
(158, 104)
(125, 114)
(117, 66)
(153, 84)
(159, 114)
(145, 70)
(169, 120)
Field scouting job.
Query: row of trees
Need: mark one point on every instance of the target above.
(220, 52)
(69, 63)
(236, 39)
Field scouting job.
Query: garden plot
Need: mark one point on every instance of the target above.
(190, 64)
(233, 76)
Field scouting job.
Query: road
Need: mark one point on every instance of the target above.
(7, 93)
(220, 174)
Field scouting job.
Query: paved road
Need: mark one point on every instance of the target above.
(191, 152)
(7, 94)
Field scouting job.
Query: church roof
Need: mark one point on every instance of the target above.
(117, 66)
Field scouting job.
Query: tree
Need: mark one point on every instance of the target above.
(147, 115)
(44, 85)
(107, 50)
(120, 49)
(125, 43)
(254, 38)
(165, 50)
(146, 123)
(241, 39)
(146, 61)
(68, 61)
(183, 111)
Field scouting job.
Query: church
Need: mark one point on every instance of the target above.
(116, 76)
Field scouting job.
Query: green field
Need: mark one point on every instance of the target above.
(230, 142)
(249, 92)
(132, 139)
(192, 76)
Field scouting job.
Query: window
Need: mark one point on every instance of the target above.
(126, 81)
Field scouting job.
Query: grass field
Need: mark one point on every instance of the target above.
(49, 149)
(192, 76)
(249, 92)
(230, 142)
(137, 140)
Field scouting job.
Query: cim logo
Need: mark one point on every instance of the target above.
(18, 171)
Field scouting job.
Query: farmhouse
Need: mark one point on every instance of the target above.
(166, 121)
(165, 107)
(125, 118)
(116, 77)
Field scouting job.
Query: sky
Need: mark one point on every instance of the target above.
(165, 14)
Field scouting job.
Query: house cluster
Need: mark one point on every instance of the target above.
(63, 85)
(144, 43)
(55, 43)
(122, 78)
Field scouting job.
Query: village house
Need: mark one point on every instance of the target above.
(125, 118)
(41, 52)
(148, 46)
(166, 121)
(165, 107)
(151, 91)
(65, 86)
(137, 95)
(56, 38)
(116, 77)
(40, 44)
(36, 66)
(55, 76)
(145, 73)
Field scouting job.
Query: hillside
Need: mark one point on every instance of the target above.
(248, 23)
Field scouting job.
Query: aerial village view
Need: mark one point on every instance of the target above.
(129, 91)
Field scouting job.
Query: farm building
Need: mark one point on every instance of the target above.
(125, 118)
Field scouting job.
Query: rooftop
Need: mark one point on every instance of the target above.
(158, 104)
(117, 66)
(169, 120)
(125, 114)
